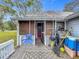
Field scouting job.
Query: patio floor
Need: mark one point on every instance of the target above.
(35, 52)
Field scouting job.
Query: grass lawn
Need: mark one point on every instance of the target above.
(5, 36)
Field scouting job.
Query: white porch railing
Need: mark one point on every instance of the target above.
(6, 49)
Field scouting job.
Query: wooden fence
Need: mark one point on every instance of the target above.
(6, 49)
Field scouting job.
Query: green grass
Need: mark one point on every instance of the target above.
(5, 36)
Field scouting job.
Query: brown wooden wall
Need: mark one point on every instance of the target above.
(32, 27)
(49, 25)
(24, 27)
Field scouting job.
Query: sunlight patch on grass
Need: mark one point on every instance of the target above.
(5, 36)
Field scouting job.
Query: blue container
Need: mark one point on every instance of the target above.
(77, 48)
(77, 45)
(72, 44)
(66, 41)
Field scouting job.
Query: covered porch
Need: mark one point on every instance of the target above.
(44, 27)
(43, 23)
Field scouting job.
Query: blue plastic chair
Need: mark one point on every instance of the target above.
(28, 39)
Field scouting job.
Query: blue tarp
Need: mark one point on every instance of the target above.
(77, 45)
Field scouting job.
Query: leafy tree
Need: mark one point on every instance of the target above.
(22, 6)
(4, 9)
(19, 8)
(9, 25)
(1, 23)
(72, 6)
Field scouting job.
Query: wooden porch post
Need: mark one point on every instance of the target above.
(65, 25)
(55, 26)
(45, 32)
(29, 26)
(34, 32)
(18, 40)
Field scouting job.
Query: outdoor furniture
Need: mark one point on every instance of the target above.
(27, 39)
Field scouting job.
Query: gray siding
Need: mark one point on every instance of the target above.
(74, 23)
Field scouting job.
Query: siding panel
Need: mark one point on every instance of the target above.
(74, 23)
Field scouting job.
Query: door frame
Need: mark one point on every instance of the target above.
(36, 22)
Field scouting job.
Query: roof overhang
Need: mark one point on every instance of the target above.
(72, 16)
(39, 18)
(44, 16)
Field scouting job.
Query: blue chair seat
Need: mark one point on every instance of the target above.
(25, 41)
